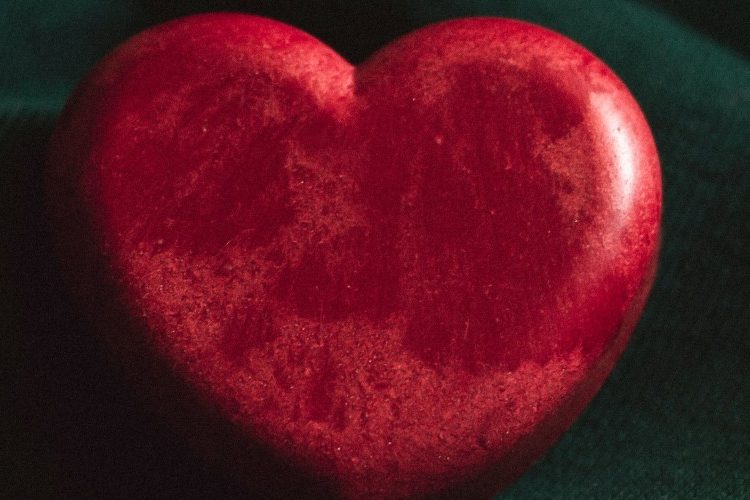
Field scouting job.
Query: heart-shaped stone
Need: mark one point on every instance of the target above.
(399, 279)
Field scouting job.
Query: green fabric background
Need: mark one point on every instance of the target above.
(673, 421)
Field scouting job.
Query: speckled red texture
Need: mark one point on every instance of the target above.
(406, 277)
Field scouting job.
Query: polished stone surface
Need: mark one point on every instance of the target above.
(402, 277)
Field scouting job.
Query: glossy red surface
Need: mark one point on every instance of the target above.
(405, 277)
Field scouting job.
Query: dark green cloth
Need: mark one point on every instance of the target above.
(673, 421)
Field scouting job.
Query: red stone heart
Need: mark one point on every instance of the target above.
(402, 278)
